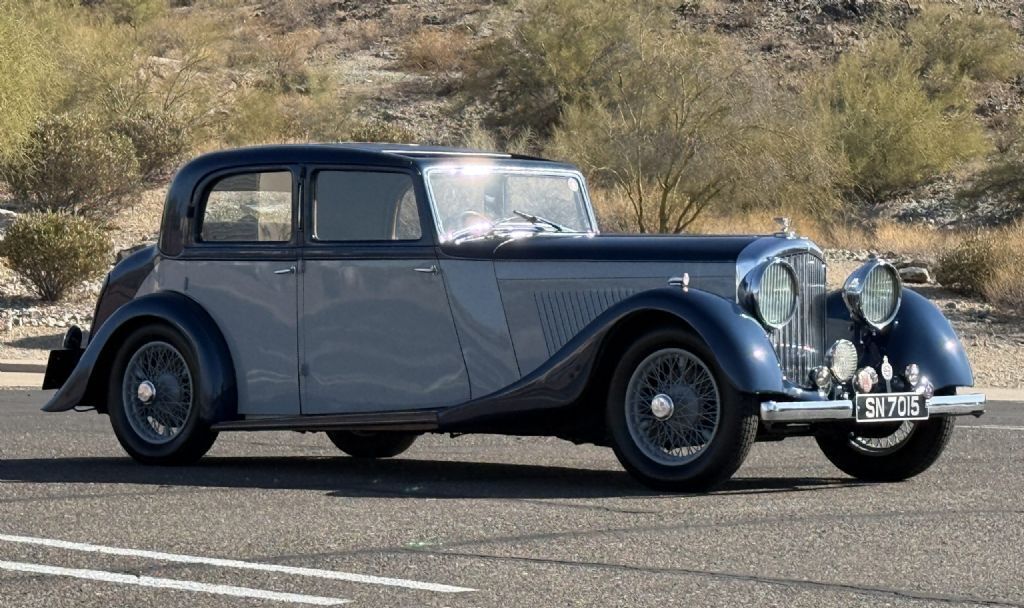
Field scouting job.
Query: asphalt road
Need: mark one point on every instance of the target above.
(519, 522)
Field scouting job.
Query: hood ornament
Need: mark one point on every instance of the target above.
(785, 227)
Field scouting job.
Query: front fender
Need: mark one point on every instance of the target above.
(920, 334)
(738, 341)
(216, 390)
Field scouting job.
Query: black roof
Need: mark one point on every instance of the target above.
(350, 153)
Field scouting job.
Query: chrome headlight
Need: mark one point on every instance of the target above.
(771, 291)
(873, 293)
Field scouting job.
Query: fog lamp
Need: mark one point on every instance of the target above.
(841, 358)
(912, 373)
(822, 377)
(866, 379)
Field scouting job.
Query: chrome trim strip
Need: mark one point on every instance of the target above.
(842, 409)
(957, 405)
(806, 411)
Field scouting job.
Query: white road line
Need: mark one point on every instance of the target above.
(170, 583)
(233, 563)
(991, 426)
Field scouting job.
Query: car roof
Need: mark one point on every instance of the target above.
(403, 155)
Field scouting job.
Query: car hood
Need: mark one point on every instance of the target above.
(626, 248)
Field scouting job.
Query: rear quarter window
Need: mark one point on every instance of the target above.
(247, 208)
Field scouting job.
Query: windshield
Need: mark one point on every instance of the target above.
(479, 201)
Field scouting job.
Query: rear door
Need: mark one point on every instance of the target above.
(377, 332)
(241, 264)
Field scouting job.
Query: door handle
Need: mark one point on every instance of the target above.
(289, 270)
(432, 269)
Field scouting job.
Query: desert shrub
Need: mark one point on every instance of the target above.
(130, 12)
(989, 264)
(26, 69)
(559, 53)
(381, 131)
(673, 133)
(159, 139)
(72, 163)
(954, 45)
(54, 252)
(291, 15)
(893, 135)
(970, 265)
(431, 50)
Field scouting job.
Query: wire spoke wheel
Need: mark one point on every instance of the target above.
(882, 446)
(157, 392)
(673, 407)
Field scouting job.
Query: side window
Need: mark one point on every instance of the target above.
(249, 207)
(365, 206)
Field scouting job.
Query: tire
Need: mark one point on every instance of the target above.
(672, 462)
(873, 459)
(162, 357)
(359, 444)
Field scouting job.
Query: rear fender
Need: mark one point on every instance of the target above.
(216, 389)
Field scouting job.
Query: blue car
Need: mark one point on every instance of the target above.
(377, 292)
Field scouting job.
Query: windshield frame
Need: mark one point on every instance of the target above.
(510, 170)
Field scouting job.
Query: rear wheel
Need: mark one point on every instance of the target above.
(367, 444)
(676, 423)
(153, 399)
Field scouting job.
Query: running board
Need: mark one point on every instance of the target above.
(421, 420)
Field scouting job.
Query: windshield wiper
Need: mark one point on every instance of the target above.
(536, 219)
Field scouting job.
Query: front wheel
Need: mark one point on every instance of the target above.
(676, 423)
(366, 444)
(908, 450)
(153, 400)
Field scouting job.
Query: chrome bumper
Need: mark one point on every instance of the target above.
(823, 411)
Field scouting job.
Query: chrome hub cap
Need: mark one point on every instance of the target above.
(157, 392)
(662, 406)
(146, 391)
(672, 407)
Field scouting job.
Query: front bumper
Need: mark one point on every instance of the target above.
(842, 409)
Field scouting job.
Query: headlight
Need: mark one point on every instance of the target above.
(770, 290)
(873, 293)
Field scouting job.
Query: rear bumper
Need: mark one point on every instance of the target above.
(824, 411)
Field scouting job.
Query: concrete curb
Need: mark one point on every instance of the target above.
(20, 366)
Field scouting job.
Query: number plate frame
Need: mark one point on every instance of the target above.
(866, 407)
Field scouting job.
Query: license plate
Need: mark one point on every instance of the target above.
(891, 407)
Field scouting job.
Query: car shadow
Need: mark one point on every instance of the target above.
(44, 342)
(396, 478)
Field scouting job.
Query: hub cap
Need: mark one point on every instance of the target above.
(662, 406)
(672, 407)
(157, 392)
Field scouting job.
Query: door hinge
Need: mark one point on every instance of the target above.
(304, 369)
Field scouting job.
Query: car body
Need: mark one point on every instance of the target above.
(378, 291)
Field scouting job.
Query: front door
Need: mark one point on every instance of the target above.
(377, 332)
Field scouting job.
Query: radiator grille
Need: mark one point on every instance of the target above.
(800, 345)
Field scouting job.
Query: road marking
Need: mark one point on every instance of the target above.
(991, 426)
(170, 583)
(234, 563)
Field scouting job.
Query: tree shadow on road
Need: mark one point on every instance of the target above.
(397, 478)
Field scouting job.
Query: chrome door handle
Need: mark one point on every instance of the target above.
(289, 270)
(432, 269)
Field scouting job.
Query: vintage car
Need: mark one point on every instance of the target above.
(377, 292)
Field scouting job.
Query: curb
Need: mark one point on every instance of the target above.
(18, 366)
